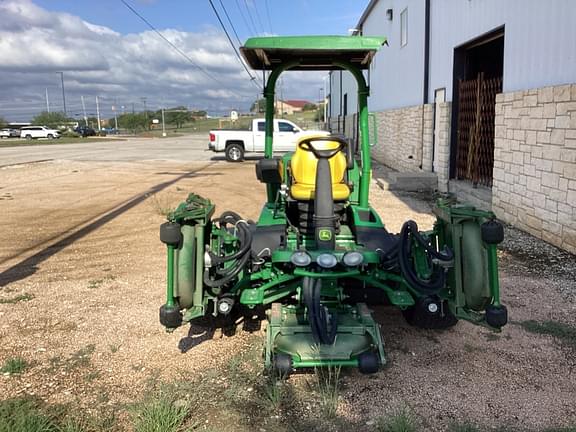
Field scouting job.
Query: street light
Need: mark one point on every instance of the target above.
(63, 93)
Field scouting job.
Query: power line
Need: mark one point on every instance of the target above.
(250, 16)
(258, 17)
(182, 53)
(231, 25)
(252, 78)
(268, 15)
(244, 18)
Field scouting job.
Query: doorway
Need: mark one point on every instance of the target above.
(478, 71)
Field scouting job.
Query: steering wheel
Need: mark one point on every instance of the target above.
(306, 145)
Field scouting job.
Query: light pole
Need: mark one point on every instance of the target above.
(163, 124)
(63, 93)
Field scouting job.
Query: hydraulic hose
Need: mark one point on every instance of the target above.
(437, 280)
(317, 313)
(240, 258)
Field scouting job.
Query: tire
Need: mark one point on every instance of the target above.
(170, 233)
(282, 365)
(492, 232)
(28, 137)
(430, 313)
(368, 362)
(234, 153)
(496, 316)
(50, 136)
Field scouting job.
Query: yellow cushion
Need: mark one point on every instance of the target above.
(305, 192)
(303, 168)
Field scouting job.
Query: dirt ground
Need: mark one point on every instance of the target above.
(79, 246)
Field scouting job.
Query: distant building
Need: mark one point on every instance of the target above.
(290, 106)
(483, 94)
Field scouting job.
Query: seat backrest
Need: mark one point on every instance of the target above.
(303, 164)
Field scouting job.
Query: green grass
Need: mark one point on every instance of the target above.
(327, 386)
(19, 298)
(401, 421)
(564, 333)
(14, 365)
(161, 414)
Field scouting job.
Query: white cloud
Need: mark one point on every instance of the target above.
(35, 44)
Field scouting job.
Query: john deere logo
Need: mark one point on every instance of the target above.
(325, 235)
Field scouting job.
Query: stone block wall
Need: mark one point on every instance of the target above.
(400, 138)
(534, 185)
(442, 144)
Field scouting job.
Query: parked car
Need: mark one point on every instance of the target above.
(30, 132)
(85, 131)
(9, 133)
(234, 143)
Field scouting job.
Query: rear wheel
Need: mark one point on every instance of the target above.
(28, 137)
(50, 136)
(430, 313)
(234, 153)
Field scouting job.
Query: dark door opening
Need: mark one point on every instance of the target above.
(478, 70)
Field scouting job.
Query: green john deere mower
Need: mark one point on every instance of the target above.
(319, 255)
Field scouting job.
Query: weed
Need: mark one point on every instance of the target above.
(92, 376)
(19, 298)
(564, 333)
(327, 385)
(491, 337)
(160, 206)
(114, 348)
(463, 427)
(97, 283)
(14, 365)
(401, 421)
(159, 414)
(78, 359)
(24, 415)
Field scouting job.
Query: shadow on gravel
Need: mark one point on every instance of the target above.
(29, 266)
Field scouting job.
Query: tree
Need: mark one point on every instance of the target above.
(50, 119)
(178, 116)
(3, 123)
(259, 106)
(309, 107)
(132, 122)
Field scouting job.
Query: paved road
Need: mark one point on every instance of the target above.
(183, 149)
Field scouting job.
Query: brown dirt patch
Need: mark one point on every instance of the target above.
(82, 240)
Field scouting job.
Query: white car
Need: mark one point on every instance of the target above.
(9, 133)
(30, 132)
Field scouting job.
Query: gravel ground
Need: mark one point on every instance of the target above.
(80, 241)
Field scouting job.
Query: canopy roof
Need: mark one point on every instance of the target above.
(312, 52)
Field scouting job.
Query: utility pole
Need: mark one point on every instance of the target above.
(47, 101)
(98, 113)
(115, 115)
(84, 110)
(143, 99)
(163, 124)
(63, 94)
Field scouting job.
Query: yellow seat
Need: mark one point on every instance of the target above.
(303, 167)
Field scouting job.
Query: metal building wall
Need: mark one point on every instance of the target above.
(539, 40)
(539, 46)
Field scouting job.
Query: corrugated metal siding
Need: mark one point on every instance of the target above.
(539, 40)
(539, 46)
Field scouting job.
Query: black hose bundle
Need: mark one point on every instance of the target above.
(240, 257)
(437, 280)
(317, 313)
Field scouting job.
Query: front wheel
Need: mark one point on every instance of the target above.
(234, 153)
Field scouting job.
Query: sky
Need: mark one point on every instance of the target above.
(102, 48)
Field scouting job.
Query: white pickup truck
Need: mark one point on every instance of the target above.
(235, 143)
